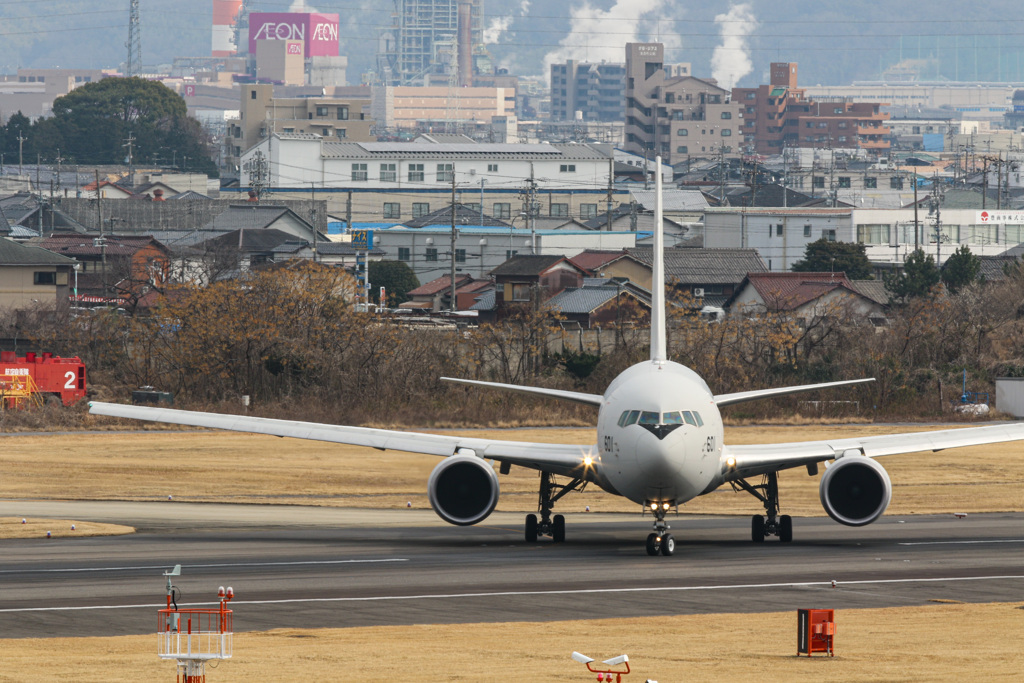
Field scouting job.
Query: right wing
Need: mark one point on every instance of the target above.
(577, 396)
(562, 459)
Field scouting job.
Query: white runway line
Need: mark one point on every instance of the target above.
(197, 566)
(1006, 540)
(581, 591)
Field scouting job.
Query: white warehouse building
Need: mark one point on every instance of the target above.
(384, 180)
(781, 236)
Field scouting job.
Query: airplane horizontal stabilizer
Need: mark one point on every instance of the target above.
(739, 397)
(575, 396)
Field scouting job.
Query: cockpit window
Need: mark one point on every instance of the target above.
(628, 417)
(649, 418)
(700, 422)
(688, 416)
(672, 418)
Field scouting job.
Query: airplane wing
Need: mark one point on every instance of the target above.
(577, 396)
(753, 460)
(562, 459)
(738, 397)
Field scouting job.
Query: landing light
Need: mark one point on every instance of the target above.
(731, 462)
(654, 506)
(666, 506)
(588, 461)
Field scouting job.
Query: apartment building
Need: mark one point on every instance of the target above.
(672, 114)
(261, 114)
(780, 115)
(426, 106)
(595, 90)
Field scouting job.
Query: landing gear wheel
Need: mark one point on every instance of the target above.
(668, 545)
(531, 528)
(558, 529)
(652, 544)
(757, 529)
(785, 528)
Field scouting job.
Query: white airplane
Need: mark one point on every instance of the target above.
(660, 444)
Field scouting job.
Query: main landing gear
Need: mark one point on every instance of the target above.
(660, 541)
(772, 524)
(548, 525)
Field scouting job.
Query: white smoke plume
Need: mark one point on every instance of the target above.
(499, 25)
(596, 34)
(731, 60)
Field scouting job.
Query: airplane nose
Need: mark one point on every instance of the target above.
(661, 454)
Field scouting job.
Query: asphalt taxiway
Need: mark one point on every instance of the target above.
(304, 567)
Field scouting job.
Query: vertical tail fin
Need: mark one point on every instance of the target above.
(659, 351)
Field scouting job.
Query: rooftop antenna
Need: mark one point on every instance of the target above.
(134, 43)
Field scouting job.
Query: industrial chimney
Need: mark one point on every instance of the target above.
(465, 43)
(224, 14)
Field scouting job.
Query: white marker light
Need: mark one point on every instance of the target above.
(72, 527)
(23, 521)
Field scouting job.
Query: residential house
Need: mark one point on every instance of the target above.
(436, 296)
(113, 267)
(710, 276)
(602, 303)
(532, 280)
(31, 276)
(807, 296)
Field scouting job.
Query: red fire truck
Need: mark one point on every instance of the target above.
(34, 376)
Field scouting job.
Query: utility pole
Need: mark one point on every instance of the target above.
(312, 217)
(611, 180)
(21, 145)
(131, 171)
(59, 161)
(454, 237)
(102, 241)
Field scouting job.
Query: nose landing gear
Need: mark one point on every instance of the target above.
(660, 541)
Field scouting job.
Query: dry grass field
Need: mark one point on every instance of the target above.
(934, 643)
(231, 467)
(940, 642)
(12, 527)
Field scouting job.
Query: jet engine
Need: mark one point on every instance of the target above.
(463, 489)
(855, 490)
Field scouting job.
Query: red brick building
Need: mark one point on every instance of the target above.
(779, 115)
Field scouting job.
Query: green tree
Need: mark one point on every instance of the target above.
(97, 119)
(824, 256)
(918, 277)
(961, 269)
(396, 277)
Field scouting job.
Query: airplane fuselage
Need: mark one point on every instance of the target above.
(659, 435)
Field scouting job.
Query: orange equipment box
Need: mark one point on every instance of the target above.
(815, 629)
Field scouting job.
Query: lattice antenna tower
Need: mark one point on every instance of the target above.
(454, 104)
(134, 43)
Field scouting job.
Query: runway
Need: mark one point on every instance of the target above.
(303, 567)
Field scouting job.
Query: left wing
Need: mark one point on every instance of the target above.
(563, 459)
(764, 458)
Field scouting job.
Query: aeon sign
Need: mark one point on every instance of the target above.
(318, 31)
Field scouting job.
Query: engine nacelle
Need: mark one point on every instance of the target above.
(463, 489)
(855, 490)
